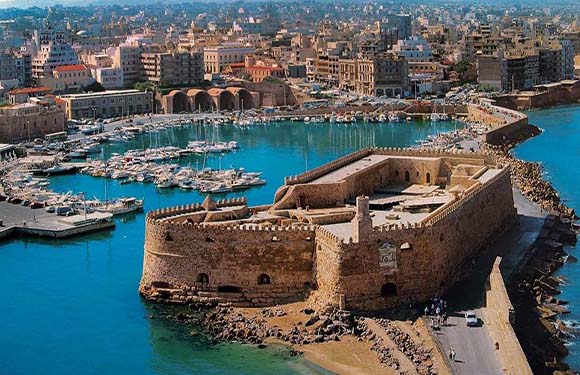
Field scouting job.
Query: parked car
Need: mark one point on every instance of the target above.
(36, 205)
(471, 319)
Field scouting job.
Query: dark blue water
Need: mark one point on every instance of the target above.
(558, 149)
(72, 306)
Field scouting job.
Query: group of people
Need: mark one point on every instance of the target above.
(438, 311)
(451, 354)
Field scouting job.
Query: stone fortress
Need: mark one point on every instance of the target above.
(371, 230)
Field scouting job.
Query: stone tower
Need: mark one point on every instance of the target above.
(362, 224)
(209, 204)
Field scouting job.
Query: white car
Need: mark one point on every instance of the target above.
(471, 319)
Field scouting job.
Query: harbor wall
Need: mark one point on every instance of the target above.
(506, 124)
(500, 315)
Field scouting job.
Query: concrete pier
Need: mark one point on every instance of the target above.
(17, 219)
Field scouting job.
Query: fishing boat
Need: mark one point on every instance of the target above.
(58, 170)
(121, 206)
(78, 153)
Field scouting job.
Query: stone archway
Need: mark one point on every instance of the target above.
(227, 101)
(389, 93)
(200, 100)
(380, 92)
(245, 100)
(223, 99)
(179, 102)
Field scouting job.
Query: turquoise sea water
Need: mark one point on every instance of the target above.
(72, 306)
(558, 149)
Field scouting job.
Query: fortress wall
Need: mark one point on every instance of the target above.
(417, 169)
(436, 253)
(451, 157)
(327, 168)
(314, 195)
(175, 255)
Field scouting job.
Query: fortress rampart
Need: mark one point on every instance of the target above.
(218, 251)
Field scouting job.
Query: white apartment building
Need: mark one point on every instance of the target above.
(109, 77)
(53, 51)
(215, 59)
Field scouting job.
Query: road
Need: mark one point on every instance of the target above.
(475, 351)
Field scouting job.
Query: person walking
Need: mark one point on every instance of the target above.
(453, 355)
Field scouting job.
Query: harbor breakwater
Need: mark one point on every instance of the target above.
(532, 288)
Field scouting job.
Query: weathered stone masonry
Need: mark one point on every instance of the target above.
(259, 260)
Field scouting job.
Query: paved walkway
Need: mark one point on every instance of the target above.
(475, 351)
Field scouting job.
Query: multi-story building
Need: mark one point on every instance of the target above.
(15, 67)
(492, 72)
(216, 58)
(327, 68)
(419, 55)
(68, 78)
(550, 64)
(53, 51)
(109, 78)
(35, 119)
(107, 104)
(173, 68)
(128, 58)
(384, 75)
(347, 74)
(568, 53)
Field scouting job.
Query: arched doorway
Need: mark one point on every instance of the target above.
(227, 101)
(179, 101)
(201, 100)
(389, 290)
(244, 97)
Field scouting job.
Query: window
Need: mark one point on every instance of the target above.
(203, 278)
(263, 279)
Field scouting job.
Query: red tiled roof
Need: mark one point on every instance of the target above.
(29, 90)
(70, 68)
(270, 68)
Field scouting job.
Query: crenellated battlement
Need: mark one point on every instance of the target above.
(469, 194)
(431, 152)
(327, 168)
(398, 227)
(164, 213)
(395, 151)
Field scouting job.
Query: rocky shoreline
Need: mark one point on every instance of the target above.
(393, 347)
(532, 288)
